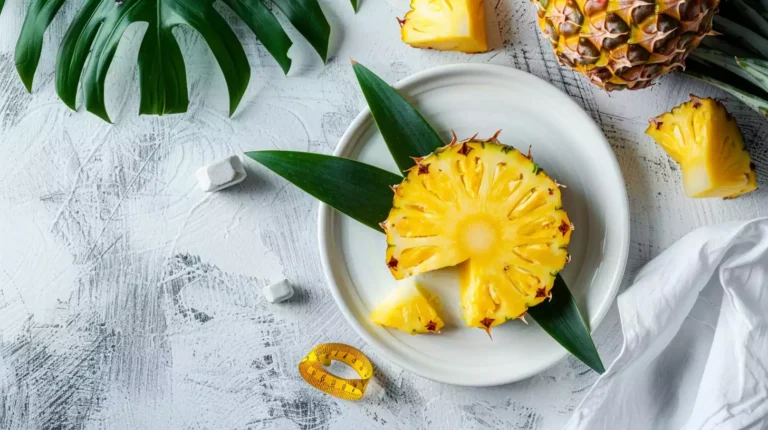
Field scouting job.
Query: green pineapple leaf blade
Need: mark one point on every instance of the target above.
(358, 190)
(764, 8)
(730, 63)
(354, 5)
(749, 98)
(310, 21)
(561, 319)
(406, 132)
(757, 69)
(749, 38)
(266, 27)
(753, 16)
(724, 46)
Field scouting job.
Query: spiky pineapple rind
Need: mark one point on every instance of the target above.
(625, 44)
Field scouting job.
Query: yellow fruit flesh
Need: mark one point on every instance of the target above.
(487, 206)
(410, 309)
(447, 25)
(707, 142)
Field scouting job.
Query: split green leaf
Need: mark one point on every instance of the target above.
(91, 41)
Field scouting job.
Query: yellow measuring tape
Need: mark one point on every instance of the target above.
(312, 370)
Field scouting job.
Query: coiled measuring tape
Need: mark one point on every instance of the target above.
(312, 370)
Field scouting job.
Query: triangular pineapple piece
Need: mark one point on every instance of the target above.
(447, 25)
(707, 142)
(410, 309)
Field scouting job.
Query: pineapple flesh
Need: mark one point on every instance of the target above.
(410, 309)
(622, 44)
(446, 25)
(489, 208)
(706, 141)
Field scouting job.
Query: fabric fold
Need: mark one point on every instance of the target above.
(695, 325)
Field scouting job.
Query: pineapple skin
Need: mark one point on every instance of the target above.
(490, 209)
(410, 309)
(446, 25)
(706, 141)
(625, 44)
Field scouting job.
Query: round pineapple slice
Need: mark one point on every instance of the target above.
(488, 206)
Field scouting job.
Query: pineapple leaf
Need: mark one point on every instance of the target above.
(356, 189)
(757, 69)
(406, 132)
(749, 38)
(90, 43)
(354, 5)
(731, 64)
(764, 10)
(747, 97)
(561, 319)
(724, 46)
(753, 16)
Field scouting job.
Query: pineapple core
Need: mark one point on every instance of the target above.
(410, 309)
(707, 142)
(488, 208)
(447, 25)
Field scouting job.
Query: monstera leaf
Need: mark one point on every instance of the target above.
(96, 31)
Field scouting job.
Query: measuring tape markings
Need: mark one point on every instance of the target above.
(313, 371)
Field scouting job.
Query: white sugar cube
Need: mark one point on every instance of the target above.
(278, 292)
(221, 174)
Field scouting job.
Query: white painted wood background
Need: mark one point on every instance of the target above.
(129, 299)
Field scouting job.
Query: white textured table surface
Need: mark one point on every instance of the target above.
(130, 299)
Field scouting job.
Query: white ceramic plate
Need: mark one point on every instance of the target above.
(474, 98)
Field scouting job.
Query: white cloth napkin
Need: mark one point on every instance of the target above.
(695, 326)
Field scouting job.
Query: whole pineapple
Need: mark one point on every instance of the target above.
(622, 44)
(491, 209)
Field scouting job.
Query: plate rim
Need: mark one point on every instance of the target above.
(325, 225)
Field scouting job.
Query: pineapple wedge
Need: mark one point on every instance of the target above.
(410, 309)
(707, 142)
(446, 25)
(488, 207)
